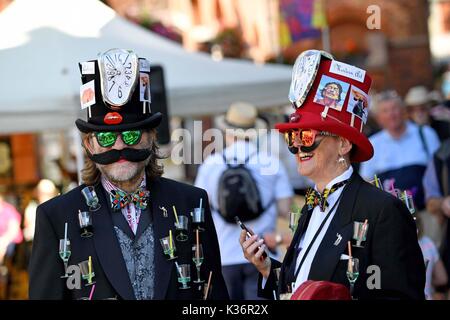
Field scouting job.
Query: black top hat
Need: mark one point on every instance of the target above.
(116, 92)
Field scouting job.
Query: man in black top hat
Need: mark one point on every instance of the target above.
(117, 233)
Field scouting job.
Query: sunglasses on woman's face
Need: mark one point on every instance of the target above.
(108, 139)
(305, 137)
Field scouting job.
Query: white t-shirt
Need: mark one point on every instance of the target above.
(273, 184)
(390, 153)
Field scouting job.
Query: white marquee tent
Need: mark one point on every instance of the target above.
(42, 42)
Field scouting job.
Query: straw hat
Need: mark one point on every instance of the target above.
(241, 115)
(416, 96)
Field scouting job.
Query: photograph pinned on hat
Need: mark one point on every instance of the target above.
(144, 85)
(331, 93)
(144, 90)
(87, 95)
(144, 65)
(358, 104)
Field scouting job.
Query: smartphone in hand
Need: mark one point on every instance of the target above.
(249, 234)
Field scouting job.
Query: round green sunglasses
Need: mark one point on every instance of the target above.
(108, 139)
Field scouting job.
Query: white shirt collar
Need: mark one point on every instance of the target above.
(109, 186)
(344, 176)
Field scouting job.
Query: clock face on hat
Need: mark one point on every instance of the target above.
(303, 75)
(118, 76)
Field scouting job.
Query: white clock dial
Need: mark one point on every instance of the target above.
(303, 75)
(119, 74)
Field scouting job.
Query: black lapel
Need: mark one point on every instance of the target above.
(161, 226)
(120, 222)
(328, 254)
(108, 248)
(144, 221)
(301, 227)
(288, 262)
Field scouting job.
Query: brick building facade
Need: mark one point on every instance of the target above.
(397, 55)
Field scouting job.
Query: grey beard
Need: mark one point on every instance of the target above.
(115, 179)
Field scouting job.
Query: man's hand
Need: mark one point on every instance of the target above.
(253, 254)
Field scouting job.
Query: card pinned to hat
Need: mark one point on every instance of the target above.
(144, 90)
(88, 67)
(144, 65)
(87, 95)
(346, 70)
(331, 93)
(358, 105)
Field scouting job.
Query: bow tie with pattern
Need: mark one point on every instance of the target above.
(120, 199)
(315, 198)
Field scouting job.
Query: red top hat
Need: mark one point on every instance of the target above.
(332, 96)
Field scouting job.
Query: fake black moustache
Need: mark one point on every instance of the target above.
(111, 156)
(295, 150)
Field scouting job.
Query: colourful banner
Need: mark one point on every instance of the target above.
(319, 18)
(302, 19)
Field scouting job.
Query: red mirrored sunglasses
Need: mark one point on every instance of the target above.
(304, 137)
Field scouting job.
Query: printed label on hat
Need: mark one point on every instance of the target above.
(144, 65)
(347, 70)
(87, 94)
(331, 93)
(358, 103)
(88, 67)
(144, 87)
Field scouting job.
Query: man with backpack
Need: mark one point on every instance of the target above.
(245, 182)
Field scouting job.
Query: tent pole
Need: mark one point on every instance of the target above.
(326, 39)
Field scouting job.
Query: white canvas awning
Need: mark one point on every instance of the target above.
(43, 40)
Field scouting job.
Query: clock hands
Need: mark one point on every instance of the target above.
(120, 70)
(110, 60)
(126, 60)
(112, 86)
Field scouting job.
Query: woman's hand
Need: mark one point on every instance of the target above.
(253, 254)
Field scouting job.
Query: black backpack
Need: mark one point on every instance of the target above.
(238, 194)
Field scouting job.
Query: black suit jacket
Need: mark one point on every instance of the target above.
(391, 245)
(111, 276)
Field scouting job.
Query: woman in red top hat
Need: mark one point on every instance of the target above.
(350, 232)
